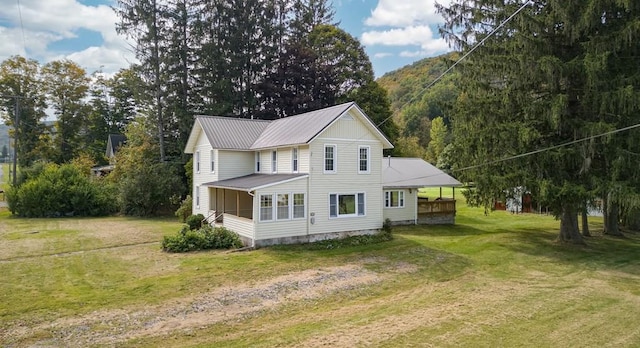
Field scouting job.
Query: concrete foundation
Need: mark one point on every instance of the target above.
(306, 238)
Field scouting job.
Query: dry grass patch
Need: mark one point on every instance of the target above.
(497, 280)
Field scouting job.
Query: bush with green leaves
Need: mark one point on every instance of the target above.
(195, 221)
(145, 184)
(185, 210)
(204, 238)
(61, 190)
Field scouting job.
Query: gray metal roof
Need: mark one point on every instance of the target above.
(246, 134)
(400, 172)
(114, 142)
(253, 182)
(299, 129)
(231, 133)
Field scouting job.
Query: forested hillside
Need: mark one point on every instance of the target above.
(415, 107)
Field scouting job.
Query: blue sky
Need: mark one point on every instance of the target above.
(394, 32)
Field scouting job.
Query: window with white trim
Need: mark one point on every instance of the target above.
(394, 199)
(283, 206)
(364, 159)
(197, 162)
(274, 161)
(258, 162)
(294, 160)
(330, 154)
(213, 161)
(197, 197)
(298, 206)
(266, 207)
(345, 205)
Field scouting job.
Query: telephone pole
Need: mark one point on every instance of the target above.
(16, 121)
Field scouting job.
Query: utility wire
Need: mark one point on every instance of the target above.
(463, 57)
(526, 154)
(24, 41)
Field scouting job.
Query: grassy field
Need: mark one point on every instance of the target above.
(489, 281)
(6, 180)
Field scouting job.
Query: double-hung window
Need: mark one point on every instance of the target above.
(394, 199)
(330, 156)
(345, 205)
(294, 160)
(213, 161)
(266, 207)
(258, 162)
(197, 161)
(283, 206)
(364, 159)
(298, 205)
(274, 161)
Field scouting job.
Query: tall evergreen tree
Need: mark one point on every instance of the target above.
(526, 89)
(145, 22)
(97, 127)
(129, 94)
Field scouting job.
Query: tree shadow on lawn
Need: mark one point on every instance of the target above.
(441, 230)
(599, 252)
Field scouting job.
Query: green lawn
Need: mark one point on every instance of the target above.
(489, 281)
(5, 176)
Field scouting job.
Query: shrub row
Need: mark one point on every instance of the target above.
(204, 238)
(61, 190)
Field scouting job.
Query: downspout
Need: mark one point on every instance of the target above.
(253, 200)
(415, 209)
(306, 197)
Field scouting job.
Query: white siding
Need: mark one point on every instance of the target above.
(204, 175)
(402, 214)
(281, 228)
(241, 226)
(232, 164)
(347, 135)
(304, 159)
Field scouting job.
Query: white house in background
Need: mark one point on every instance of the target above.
(303, 178)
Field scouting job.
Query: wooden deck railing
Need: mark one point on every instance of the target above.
(445, 206)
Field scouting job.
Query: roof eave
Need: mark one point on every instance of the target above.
(191, 141)
(280, 182)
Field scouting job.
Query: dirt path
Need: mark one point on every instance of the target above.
(111, 327)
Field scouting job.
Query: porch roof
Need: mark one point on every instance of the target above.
(253, 182)
(414, 173)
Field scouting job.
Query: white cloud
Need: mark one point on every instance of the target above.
(398, 37)
(421, 36)
(47, 22)
(407, 25)
(382, 55)
(396, 13)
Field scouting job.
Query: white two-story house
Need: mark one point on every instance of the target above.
(302, 178)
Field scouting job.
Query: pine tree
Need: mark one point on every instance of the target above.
(528, 88)
(145, 22)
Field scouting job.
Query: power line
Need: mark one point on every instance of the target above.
(526, 154)
(24, 41)
(462, 58)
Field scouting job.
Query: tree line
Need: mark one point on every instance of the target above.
(251, 59)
